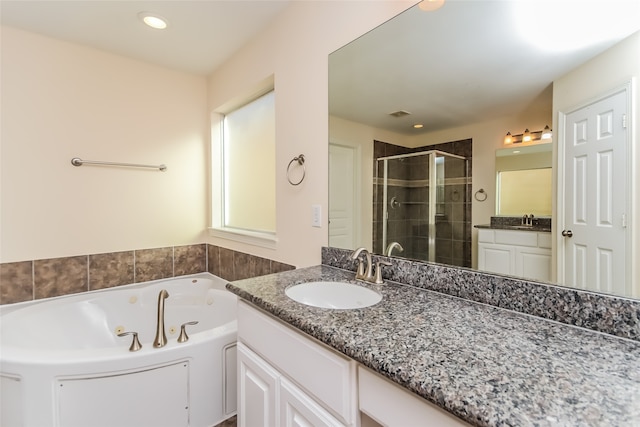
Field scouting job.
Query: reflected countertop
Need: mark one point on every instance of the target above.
(486, 365)
(537, 228)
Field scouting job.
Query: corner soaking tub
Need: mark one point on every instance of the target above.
(63, 364)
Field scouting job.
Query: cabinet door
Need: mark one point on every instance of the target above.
(299, 410)
(257, 391)
(496, 258)
(533, 263)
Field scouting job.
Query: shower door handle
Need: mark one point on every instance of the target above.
(567, 233)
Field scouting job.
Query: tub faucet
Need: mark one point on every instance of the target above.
(161, 337)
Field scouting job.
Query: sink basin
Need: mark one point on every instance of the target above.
(338, 295)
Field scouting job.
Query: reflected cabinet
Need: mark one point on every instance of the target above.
(525, 254)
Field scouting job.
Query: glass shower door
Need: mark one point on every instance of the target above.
(420, 202)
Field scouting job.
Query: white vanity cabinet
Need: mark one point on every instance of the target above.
(525, 254)
(287, 379)
(268, 399)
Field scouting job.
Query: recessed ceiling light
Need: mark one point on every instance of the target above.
(418, 126)
(430, 5)
(153, 20)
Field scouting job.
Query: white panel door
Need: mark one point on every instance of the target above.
(595, 196)
(342, 196)
(496, 258)
(257, 391)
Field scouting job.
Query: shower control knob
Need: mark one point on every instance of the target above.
(567, 233)
(183, 331)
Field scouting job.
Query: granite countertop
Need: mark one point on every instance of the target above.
(486, 365)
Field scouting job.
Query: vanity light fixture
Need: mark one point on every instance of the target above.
(528, 136)
(153, 20)
(430, 5)
(508, 139)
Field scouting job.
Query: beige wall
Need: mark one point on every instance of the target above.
(347, 133)
(608, 71)
(60, 101)
(295, 50)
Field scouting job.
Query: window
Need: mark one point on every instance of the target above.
(243, 171)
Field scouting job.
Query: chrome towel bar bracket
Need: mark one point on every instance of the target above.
(76, 161)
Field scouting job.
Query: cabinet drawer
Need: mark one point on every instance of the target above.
(323, 373)
(544, 240)
(520, 238)
(485, 236)
(391, 405)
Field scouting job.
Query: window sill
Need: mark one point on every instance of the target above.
(264, 240)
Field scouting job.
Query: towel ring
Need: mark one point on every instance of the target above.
(482, 193)
(300, 160)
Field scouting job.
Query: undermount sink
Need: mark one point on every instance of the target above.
(338, 295)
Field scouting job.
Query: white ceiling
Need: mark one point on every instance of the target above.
(201, 34)
(470, 61)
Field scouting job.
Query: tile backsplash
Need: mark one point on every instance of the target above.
(30, 280)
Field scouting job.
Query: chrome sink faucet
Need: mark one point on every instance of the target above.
(161, 337)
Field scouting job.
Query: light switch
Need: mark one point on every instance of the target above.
(316, 215)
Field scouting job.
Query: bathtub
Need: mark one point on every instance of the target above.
(62, 362)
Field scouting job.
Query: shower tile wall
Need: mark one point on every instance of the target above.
(31, 280)
(453, 220)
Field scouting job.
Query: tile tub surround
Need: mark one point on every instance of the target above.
(603, 313)
(32, 280)
(486, 365)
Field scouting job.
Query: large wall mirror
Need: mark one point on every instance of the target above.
(468, 72)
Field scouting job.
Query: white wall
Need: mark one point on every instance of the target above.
(606, 72)
(295, 49)
(61, 100)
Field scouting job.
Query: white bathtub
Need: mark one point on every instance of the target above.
(62, 363)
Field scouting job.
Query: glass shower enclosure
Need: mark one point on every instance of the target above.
(422, 202)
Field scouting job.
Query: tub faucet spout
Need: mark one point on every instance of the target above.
(161, 337)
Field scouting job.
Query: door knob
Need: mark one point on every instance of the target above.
(567, 233)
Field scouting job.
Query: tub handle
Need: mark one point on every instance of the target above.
(135, 343)
(183, 331)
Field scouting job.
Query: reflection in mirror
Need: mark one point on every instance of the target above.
(524, 181)
(421, 204)
(466, 71)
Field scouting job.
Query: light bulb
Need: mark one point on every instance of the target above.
(153, 20)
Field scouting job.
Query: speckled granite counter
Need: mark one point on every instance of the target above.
(514, 227)
(486, 365)
(542, 225)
